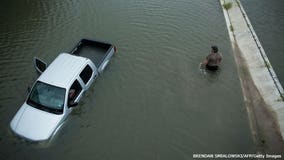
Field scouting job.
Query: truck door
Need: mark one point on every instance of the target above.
(39, 65)
(75, 93)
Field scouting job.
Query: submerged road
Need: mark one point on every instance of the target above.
(151, 102)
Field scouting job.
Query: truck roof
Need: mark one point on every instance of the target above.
(62, 70)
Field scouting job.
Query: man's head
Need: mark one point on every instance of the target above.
(71, 93)
(214, 49)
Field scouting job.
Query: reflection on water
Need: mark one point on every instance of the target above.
(151, 102)
(213, 76)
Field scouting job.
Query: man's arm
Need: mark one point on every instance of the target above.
(220, 58)
(204, 62)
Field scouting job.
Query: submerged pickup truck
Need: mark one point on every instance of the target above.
(59, 88)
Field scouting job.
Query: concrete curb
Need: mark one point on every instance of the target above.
(263, 76)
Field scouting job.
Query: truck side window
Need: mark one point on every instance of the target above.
(74, 91)
(86, 74)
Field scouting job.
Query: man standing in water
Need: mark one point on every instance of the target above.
(213, 60)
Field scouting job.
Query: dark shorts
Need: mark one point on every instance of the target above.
(212, 68)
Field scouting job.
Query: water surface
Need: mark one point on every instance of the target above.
(152, 102)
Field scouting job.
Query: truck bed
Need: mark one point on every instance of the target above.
(96, 51)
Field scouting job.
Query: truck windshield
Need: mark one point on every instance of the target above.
(47, 97)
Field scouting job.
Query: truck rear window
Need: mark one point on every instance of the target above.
(86, 74)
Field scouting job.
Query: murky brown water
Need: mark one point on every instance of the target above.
(152, 102)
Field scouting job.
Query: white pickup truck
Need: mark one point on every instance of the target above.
(59, 88)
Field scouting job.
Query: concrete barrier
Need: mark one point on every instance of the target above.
(263, 76)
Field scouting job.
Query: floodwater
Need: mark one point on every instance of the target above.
(267, 18)
(152, 102)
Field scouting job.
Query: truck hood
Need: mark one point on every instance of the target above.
(35, 124)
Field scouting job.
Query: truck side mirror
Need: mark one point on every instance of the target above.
(73, 104)
(29, 89)
(39, 65)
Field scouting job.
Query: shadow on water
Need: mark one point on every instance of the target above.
(79, 110)
(213, 76)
